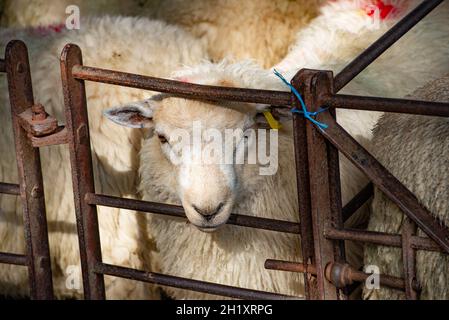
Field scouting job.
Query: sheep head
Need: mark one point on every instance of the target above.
(205, 153)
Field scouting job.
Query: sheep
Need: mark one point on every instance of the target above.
(416, 150)
(235, 255)
(25, 13)
(136, 45)
(261, 30)
(258, 29)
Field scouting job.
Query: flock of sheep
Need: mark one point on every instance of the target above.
(188, 40)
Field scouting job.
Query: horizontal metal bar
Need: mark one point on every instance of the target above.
(427, 108)
(12, 258)
(352, 276)
(2, 65)
(359, 200)
(188, 90)
(189, 284)
(383, 43)
(381, 238)
(385, 181)
(9, 188)
(178, 211)
(282, 265)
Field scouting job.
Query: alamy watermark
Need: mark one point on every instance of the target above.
(229, 146)
(73, 277)
(373, 280)
(73, 21)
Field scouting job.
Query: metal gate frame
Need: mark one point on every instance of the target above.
(25, 114)
(327, 275)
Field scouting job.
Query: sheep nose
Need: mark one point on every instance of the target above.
(208, 213)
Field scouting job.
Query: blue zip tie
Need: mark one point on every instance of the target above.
(308, 115)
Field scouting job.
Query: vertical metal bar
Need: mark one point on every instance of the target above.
(30, 174)
(336, 211)
(324, 213)
(409, 259)
(302, 180)
(77, 125)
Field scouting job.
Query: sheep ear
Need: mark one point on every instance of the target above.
(134, 115)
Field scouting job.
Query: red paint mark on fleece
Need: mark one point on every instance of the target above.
(383, 9)
(46, 30)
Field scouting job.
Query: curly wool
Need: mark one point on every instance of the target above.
(236, 255)
(416, 151)
(136, 45)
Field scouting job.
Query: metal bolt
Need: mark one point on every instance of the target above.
(36, 192)
(81, 134)
(20, 67)
(38, 112)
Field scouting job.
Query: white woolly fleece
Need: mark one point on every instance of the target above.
(235, 255)
(135, 45)
(416, 150)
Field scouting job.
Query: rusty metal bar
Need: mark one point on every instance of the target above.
(178, 211)
(317, 83)
(409, 259)
(359, 200)
(336, 217)
(337, 273)
(342, 275)
(282, 265)
(303, 192)
(189, 284)
(77, 126)
(428, 108)
(189, 90)
(383, 43)
(12, 258)
(2, 65)
(30, 174)
(9, 188)
(385, 181)
(381, 238)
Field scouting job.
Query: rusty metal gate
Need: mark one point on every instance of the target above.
(326, 274)
(30, 189)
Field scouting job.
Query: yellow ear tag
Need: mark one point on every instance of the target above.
(274, 124)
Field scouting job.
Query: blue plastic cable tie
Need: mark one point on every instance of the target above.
(308, 115)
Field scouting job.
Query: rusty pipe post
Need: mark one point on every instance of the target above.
(409, 259)
(2, 65)
(303, 192)
(77, 125)
(315, 85)
(30, 174)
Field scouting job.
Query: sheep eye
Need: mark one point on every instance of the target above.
(162, 138)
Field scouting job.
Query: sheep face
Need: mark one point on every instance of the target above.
(194, 152)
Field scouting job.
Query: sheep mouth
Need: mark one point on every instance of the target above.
(207, 229)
